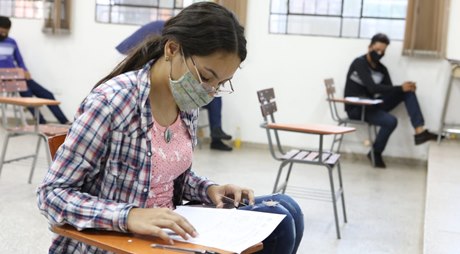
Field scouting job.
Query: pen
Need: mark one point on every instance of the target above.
(232, 200)
(182, 249)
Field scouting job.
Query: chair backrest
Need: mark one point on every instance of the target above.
(330, 87)
(55, 142)
(267, 103)
(330, 91)
(268, 108)
(12, 80)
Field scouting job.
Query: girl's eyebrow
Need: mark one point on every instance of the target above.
(212, 71)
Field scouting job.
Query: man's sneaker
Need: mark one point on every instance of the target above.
(378, 161)
(424, 137)
(217, 144)
(218, 133)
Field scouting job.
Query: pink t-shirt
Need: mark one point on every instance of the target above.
(169, 160)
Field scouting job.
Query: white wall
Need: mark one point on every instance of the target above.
(295, 66)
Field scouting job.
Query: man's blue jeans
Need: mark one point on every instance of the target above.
(39, 91)
(214, 112)
(378, 115)
(286, 237)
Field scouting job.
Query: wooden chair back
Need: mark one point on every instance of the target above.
(55, 142)
(330, 91)
(12, 80)
(267, 102)
(330, 87)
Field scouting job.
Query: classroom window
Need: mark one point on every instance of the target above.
(22, 8)
(138, 12)
(338, 18)
(57, 16)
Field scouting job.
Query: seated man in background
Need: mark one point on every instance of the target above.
(369, 78)
(214, 108)
(10, 57)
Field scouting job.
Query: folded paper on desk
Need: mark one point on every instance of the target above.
(228, 229)
(365, 100)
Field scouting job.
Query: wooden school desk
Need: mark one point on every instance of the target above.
(122, 243)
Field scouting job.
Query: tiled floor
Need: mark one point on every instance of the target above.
(385, 207)
(442, 226)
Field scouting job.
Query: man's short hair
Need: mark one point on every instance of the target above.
(5, 22)
(380, 37)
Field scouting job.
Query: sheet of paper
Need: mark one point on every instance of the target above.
(228, 229)
(366, 100)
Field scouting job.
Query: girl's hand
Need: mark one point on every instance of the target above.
(218, 194)
(151, 221)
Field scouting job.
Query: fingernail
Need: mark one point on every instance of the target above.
(194, 234)
(235, 204)
(171, 242)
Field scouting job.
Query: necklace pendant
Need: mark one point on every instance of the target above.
(168, 135)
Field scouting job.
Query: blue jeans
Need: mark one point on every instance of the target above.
(215, 112)
(39, 91)
(378, 115)
(286, 237)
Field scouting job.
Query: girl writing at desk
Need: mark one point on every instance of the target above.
(126, 161)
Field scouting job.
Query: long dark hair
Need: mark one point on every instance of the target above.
(201, 29)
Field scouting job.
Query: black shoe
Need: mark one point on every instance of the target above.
(218, 133)
(424, 137)
(378, 161)
(219, 145)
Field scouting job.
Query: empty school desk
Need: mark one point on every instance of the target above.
(29, 102)
(121, 243)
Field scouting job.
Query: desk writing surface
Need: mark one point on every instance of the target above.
(28, 101)
(128, 243)
(320, 129)
(364, 102)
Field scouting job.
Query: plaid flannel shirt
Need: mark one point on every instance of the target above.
(103, 168)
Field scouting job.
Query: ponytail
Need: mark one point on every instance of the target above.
(150, 49)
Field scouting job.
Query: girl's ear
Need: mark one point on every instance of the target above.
(171, 49)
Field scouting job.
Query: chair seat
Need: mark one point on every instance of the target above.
(311, 156)
(44, 129)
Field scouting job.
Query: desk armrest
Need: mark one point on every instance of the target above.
(319, 129)
(28, 101)
(122, 243)
(366, 102)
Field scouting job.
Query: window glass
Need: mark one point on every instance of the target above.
(22, 8)
(313, 25)
(340, 18)
(138, 12)
(393, 28)
(279, 6)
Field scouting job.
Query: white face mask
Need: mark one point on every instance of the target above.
(188, 92)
